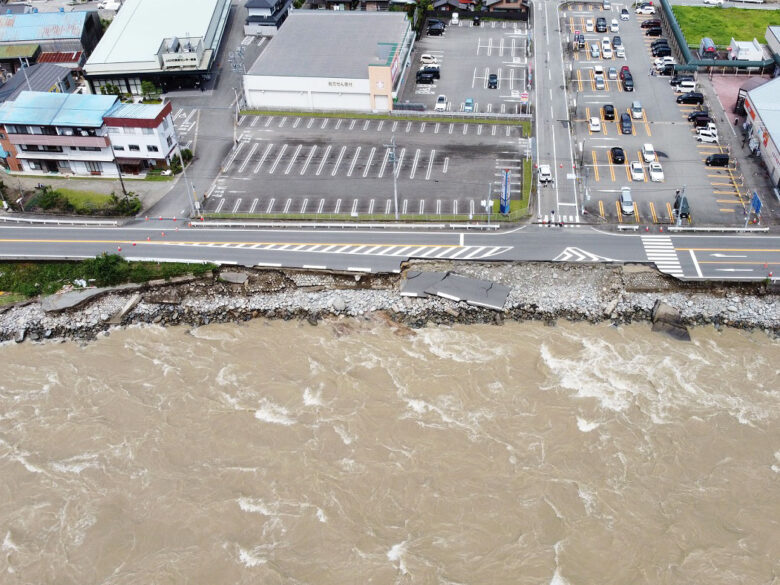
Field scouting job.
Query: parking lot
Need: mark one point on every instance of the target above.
(467, 55)
(305, 165)
(712, 192)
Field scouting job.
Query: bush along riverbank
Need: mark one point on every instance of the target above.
(539, 291)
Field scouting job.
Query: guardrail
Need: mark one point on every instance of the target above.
(474, 226)
(622, 227)
(675, 228)
(33, 220)
(300, 225)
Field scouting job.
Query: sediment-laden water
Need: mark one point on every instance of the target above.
(359, 452)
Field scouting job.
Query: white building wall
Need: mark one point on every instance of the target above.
(311, 93)
(122, 138)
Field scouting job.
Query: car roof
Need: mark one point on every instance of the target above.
(647, 146)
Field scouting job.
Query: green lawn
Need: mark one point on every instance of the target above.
(721, 24)
(85, 199)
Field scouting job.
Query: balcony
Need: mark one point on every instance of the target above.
(60, 140)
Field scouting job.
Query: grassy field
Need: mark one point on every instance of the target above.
(85, 199)
(721, 24)
(19, 280)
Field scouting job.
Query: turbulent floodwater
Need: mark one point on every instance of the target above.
(357, 452)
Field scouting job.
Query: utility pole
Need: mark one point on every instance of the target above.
(393, 159)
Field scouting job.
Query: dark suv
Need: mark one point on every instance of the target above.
(618, 155)
(626, 127)
(656, 31)
(692, 97)
(628, 82)
(492, 81)
(609, 112)
(652, 23)
(601, 24)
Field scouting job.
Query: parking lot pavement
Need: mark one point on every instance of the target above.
(712, 193)
(185, 120)
(300, 165)
(467, 56)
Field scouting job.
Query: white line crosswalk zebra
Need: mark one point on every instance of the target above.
(660, 250)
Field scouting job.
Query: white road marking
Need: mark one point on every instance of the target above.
(354, 162)
(304, 204)
(248, 157)
(278, 158)
(384, 163)
(414, 163)
(254, 205)
(270, 205)
(268, 122)
(237, 205)
(400, 162)
(287, 205)
(338, 205)
(293, 159)
(430, 165)
(308, 159)
(446, 164)
(321, 205)
(338, 161)
(297, 121)
(262, 158)
(323, 161)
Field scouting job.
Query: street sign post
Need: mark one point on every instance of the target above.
(505, 193)
(524, 97)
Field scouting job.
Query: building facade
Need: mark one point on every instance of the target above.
(84, 135)
(264, 17)
(763, 124)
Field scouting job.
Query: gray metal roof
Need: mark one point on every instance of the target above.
(766, 99)
(41, 77)
(330, 44)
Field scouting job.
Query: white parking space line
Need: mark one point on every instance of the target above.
(395, 125)
(436, 128)
(384, 163)
(278, 158)
(287, 205)
(254, 121)
(352, 124)
(248, 157)
(405, 206)
(283, 121)
(414, 163)
(219, 207)
(338, 205)
(234, 155)
(455, 207)
(387, 206)
(308, 159)
(422, 206)
(338, 161)
(471, 207)
(324, 123)
(422, 127)
(438, 207)
(479, 129)
(262, 158)
(452, 127)
(465, 128)
(446, 164)
(354, 162)
(270, 205)
(354, 206)
(321, 205)
(268, 121)
(379, 126)
(304, 204)
(370, 159)
(400, 162)
(297, 121)
(311, 121)
(293, 159)
(323, 161)
(254, 205)
(367, 124)
(338, 124)
(237, 205)
(371, 206)
(430, 165)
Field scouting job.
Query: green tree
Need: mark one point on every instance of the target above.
(149, 90)
(108, 269)
(110, 89)
(186, 155)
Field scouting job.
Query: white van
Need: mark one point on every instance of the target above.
(685, 86)
(455, 18)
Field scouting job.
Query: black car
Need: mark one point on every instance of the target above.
(476, 21)
(652, 23)
(609, 112)
(601, 24)
(618, 155)
(435, 31)
(678, 79)
(492, 81)
(659, 42)
(667, 70)
(692, 97)
(702, 121)
(628, 82)
(617, 41)
(425, 78)
(581, 41)
(436, 22)
(717, 160)
(654, 32)
(432, 70)
(703, 113)
(626, 127)
(662, 52)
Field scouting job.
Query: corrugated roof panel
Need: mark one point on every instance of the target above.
(56, 109)
(41, 26)
(27, 50)
(61, 57)
(136, 111)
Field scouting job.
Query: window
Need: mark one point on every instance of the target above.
(148, 130)
(135, 147)
(89, 148)
(119, 147)
(151, 148)
(170, 140)
(94, 167)
(63, 164)
(166, 122)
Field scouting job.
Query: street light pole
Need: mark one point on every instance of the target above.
(391, 146)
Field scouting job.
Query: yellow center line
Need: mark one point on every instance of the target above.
(595, 166)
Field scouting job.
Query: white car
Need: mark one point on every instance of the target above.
(598, 70)
(606, 52)
(545, 174)
(646, 10)
(714, 2)
(648, 152)
(662, 62)
(441, 104)
(707, 136)
(656, 172)
(624, 14)
(637, 172)
(594, 125)
(614, 26)
(428, 59)
(620, 52)
(589, 25)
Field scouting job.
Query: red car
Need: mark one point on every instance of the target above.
(623, 70)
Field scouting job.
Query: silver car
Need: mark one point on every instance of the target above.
(626, 203)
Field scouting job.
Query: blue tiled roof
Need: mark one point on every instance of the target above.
(41, 26)
(40, 108)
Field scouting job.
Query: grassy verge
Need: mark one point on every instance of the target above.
(28, 279)
(721, 24)
(526, 124)
(6, 298)
(83, 200)
(158, 178)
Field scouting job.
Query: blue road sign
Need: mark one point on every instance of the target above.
(755, 203)
(505, 194)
